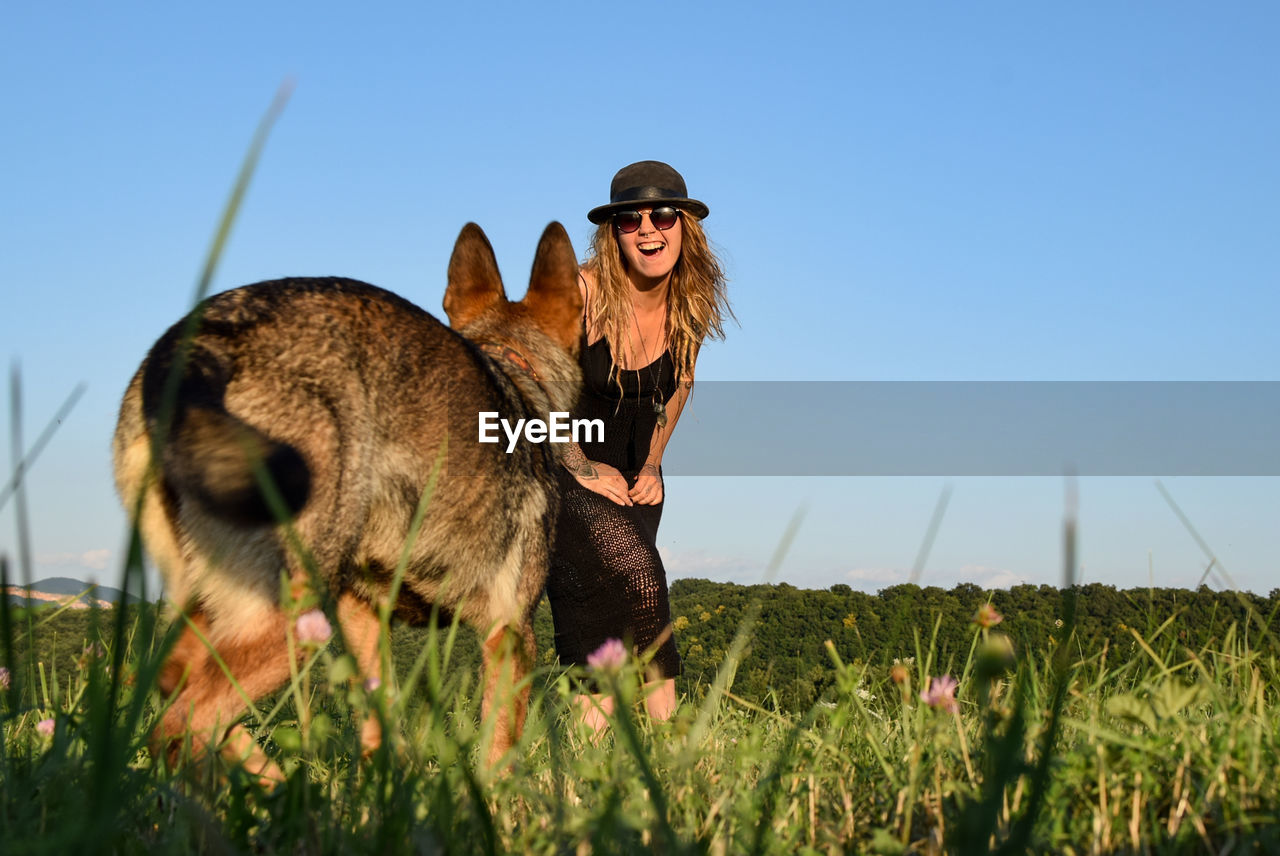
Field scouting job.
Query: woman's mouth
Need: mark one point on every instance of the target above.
(650, 248)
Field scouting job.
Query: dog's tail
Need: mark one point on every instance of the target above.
(232, 469)
(223, 463)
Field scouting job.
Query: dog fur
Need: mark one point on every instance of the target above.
(346, 395)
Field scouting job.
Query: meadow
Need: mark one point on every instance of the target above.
(1056, 749)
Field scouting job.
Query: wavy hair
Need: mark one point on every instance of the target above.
(697, 300)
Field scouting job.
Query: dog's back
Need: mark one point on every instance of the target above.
(347, 398)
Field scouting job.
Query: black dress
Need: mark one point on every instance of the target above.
(606, 579)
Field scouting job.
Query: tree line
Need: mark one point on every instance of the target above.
(786, 663)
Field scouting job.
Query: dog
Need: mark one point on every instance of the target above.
(347, 397)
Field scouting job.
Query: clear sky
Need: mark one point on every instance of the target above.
(943, 192)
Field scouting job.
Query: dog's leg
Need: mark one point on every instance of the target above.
(362, 631)
(188, 654)
(207, 702)
(508, 657)
(240, 747)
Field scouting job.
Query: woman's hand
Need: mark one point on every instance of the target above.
(602, 479)
(648, 487)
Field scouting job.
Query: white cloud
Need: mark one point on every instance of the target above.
(983, 576)
(96, 559)
(714, 566)
(876, 576)
(988, 577)
(75, 563)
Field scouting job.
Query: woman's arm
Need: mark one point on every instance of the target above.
(648, 488)
(593, 475)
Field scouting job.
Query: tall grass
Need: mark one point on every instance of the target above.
(1173, 752)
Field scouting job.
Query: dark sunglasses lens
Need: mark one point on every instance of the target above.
(626, 221)
(663, 218)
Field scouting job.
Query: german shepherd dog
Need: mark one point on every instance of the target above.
(344, 395)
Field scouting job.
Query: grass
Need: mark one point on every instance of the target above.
(1174, 752)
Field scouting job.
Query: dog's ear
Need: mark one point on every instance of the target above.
(553, 298)
(474, 282)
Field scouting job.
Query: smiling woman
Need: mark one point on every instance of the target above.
(652, 292)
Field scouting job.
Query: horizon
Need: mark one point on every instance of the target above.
(154, 596)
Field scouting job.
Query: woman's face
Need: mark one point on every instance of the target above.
(650, 253)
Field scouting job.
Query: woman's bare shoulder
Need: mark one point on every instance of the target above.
(587, 286)
(586, 281)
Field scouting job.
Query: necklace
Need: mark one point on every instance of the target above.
(659, 407)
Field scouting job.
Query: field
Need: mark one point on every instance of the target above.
(1060, 749)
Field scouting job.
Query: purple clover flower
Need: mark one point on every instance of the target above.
(313, 628)
(986, 617)
(609, 657)
(941, 693)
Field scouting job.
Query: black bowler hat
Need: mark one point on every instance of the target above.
(646, 184)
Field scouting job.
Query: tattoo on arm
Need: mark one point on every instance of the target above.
(577, 463)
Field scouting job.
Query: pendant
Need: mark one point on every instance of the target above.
(661, 410)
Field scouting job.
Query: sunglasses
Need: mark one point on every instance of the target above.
(662, 219)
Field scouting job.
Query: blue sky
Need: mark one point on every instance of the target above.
(905, 192)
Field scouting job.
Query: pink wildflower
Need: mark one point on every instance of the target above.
(941, 693)
(45, 727)
(987, 617)
(4, 678)
(371, 684)
(92, 651)
(313, 628)
(609, 657)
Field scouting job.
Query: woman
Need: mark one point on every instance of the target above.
(652, 292)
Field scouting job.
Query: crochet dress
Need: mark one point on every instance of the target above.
(606, 579)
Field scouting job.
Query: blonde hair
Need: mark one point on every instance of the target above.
(697, 300)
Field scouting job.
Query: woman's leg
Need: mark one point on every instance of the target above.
(607, 582)
(594, 711)
(659, 702)
(660, 698)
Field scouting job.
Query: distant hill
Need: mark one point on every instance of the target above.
(60, 590)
